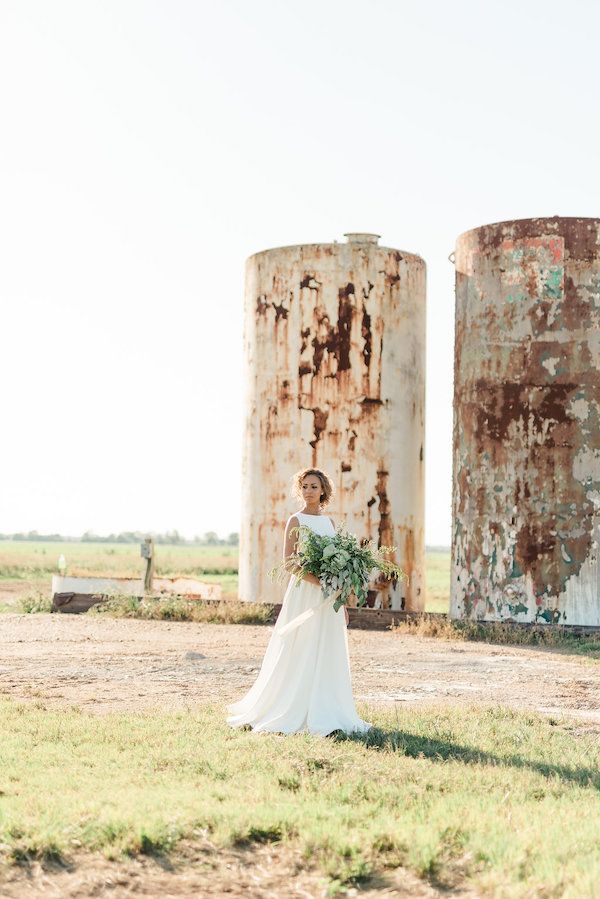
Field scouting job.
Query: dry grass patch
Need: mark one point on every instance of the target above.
(501, 633)
(226, 611)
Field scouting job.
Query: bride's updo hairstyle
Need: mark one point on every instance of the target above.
(326, 484)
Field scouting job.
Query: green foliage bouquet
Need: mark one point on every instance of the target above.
(342, 565)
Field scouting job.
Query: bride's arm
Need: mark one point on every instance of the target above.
(290, 541)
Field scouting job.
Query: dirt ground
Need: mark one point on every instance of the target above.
(103, 664)
(265, 872)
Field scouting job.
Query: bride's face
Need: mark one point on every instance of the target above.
(311, 489)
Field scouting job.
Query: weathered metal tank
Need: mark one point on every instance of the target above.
(526, 497)
(335, 378)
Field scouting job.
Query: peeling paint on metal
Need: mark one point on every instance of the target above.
(335, 378)
(526, 523)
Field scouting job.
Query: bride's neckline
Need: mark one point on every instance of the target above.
(312, 514)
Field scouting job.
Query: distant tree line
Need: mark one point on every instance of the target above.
(172, 538)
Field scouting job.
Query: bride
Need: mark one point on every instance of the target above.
(304, 683)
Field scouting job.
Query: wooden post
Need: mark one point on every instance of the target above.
(147, 552)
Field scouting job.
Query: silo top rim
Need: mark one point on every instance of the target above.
(342, 245)
(536, 223)
(362, 237)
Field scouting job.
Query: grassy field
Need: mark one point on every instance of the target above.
(27, 567)
(500, 801)
(504, 801)
(437, 580)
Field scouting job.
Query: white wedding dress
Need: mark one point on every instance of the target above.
(304, 683)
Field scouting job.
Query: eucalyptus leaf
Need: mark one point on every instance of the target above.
(340, 563)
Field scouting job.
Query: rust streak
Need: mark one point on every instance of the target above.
(366, 336)
(385, 527)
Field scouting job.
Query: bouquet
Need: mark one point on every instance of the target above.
(342, 564)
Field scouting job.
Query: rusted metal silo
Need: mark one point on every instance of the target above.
(335, 378)
(526, 504)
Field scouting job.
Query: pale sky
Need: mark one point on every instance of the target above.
(147, 148)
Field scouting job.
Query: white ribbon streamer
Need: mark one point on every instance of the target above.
(306, 615)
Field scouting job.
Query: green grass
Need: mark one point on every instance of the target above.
(29, 559)
(505, 801)
(34, 563)
(27, 567)
(34, 602)
(437, 581)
